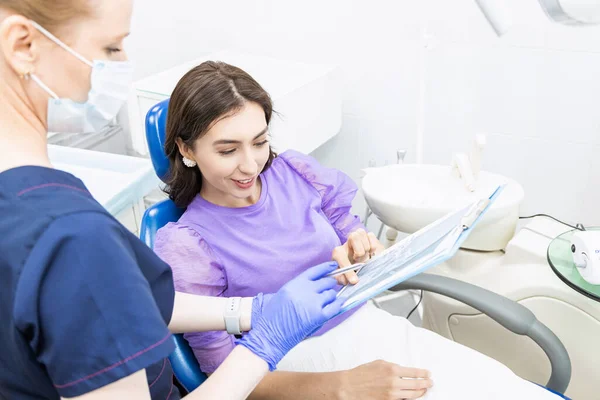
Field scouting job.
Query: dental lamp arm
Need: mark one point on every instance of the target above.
(567, 12)
(511, 315)
(497, 14)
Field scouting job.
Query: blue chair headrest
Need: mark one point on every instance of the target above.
(156, 130)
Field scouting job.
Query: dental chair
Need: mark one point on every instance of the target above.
(507, 313)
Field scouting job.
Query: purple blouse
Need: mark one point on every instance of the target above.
(302, 214)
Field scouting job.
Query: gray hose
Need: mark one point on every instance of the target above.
(510, 314)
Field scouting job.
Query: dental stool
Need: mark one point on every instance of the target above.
(507, 313)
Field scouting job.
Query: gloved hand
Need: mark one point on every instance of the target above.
(258, 304)
(298, 309)
(260, 301)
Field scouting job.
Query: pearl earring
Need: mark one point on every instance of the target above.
(189, 163)
(26, 75)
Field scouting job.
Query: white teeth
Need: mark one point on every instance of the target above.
(246, 181)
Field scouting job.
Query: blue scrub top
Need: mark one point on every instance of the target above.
(83, 302)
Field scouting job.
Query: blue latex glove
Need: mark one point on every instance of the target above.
(260, 301)
(297, 310)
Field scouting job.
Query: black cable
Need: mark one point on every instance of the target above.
(578, 226)
(417, 306)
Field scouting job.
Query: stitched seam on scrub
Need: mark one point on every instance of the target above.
(139, 353)
(170, 391)
(160, 374)
(31, 189)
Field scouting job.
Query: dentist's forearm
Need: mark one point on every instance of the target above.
(281, 385)
(239, 374)
(193, 313)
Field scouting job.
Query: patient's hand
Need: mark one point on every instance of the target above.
(381, 380)
(359, 247)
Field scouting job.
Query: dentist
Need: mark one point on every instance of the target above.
(87, 309)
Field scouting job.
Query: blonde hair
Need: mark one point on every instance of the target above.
(51, 14)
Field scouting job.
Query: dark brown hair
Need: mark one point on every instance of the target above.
(203, 96)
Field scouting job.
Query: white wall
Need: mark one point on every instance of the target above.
(534, 92)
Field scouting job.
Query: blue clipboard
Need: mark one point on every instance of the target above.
(426, 248)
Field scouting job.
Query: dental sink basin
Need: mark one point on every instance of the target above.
(407, 197)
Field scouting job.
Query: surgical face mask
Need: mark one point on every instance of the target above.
(110, 85)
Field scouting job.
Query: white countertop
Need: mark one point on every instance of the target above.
(116, 181)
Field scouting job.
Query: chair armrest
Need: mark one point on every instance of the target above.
(510, 314)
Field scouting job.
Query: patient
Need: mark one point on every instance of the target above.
(254, 220)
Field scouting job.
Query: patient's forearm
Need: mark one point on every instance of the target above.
(298, 386)
(193, 313)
